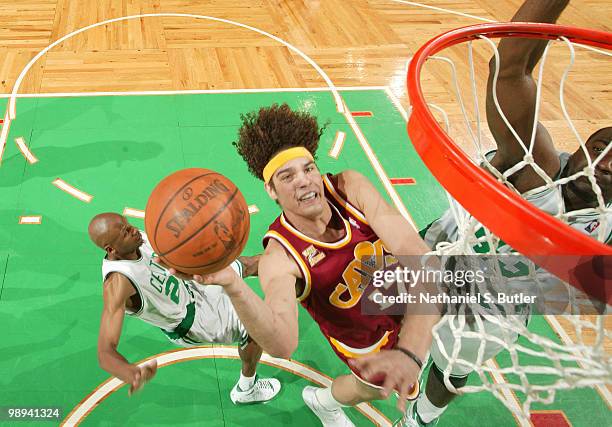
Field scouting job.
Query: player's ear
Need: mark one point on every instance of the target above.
(271, 190)
(109, 249)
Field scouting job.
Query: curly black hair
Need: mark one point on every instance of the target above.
(273, 129)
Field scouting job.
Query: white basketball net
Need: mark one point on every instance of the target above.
(540, 364)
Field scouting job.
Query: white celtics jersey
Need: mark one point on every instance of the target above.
(445, 229)
(518, 272)
(187, 312)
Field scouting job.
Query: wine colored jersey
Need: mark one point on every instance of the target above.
(335, 277)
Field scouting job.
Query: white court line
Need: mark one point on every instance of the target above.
(382, 175)
(190, 92)
(32, 219)
(395, 101)
(509, 395)
(134, 213)
(11, 108)
(334, 152)
(81, 410)
(253, 209)
(440, 9)
(23, 147)
(557, 327)
(73, 191)
(480, 18)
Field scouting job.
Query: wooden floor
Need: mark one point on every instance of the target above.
(356, 42)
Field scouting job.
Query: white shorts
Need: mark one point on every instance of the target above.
(469, 345)
(216, 320)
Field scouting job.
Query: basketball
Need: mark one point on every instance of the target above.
(197, 221)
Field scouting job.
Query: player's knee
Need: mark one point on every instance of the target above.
(455, 380)
(366, 392)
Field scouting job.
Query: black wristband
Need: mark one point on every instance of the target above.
(411, 355)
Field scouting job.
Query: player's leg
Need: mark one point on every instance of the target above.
(249, 355)
(346, 390)
(216, 321)
(349, 390)
(433, 401)
(430, 405)
(250, 388)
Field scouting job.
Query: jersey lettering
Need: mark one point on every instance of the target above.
(369, 257)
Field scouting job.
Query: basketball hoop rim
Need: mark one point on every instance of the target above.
(553, 245)
(560, 239)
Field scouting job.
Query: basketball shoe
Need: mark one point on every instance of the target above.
(263, 390)
(412, 419)
(329, 418)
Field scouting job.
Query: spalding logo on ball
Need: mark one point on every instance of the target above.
(197, 221)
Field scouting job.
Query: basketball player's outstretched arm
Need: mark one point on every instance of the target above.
(117, 290)
(516, 93)
(402, 240)
(272, 323)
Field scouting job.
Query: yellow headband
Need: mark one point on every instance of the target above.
(282, 158)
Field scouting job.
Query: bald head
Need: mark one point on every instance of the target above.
(113, 233)
(102, 226)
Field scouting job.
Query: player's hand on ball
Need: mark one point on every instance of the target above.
(400, 373)
(145, 373)
(225, 277)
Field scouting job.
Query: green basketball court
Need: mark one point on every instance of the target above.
(115, 149)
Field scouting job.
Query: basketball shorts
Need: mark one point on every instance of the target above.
(469, 346)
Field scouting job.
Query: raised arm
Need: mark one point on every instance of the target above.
(516, 92)
(401, 239)
(273, 324)
(117, 290)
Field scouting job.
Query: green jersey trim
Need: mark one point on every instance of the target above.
(183, 328)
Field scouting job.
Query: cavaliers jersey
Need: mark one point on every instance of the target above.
(335, 277)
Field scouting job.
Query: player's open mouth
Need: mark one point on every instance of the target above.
(308, 197)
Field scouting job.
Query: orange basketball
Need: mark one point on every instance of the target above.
(197, 221)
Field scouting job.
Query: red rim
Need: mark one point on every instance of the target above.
(527, 229)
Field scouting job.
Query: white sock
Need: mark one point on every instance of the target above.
(245, 383)
(326, 399)
(427, 410)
